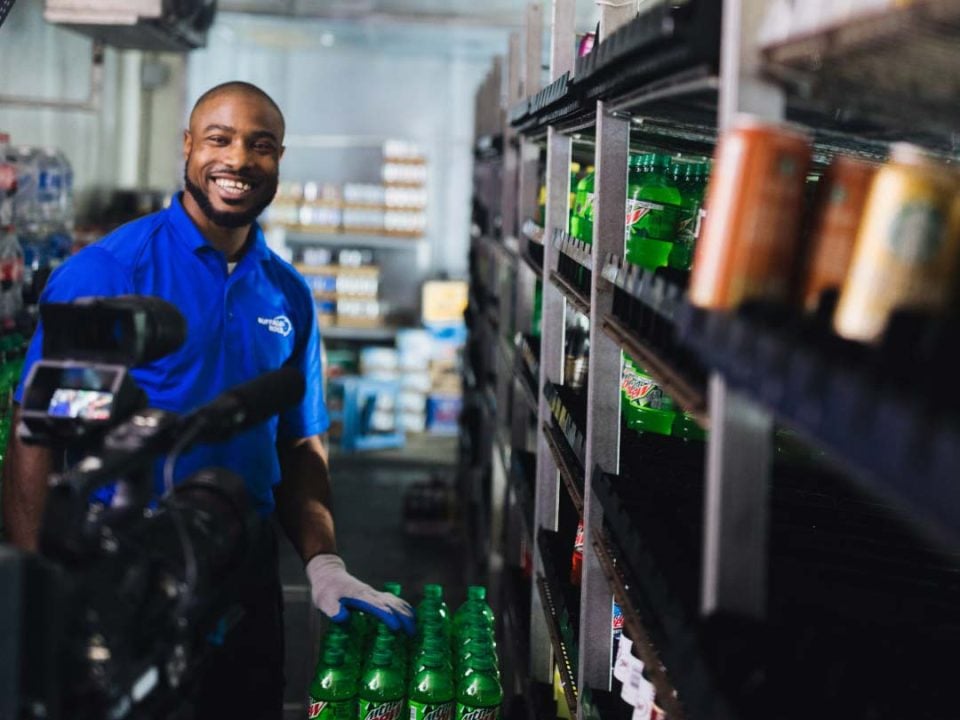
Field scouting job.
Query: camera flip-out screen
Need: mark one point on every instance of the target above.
(66, 399)
(83, 404)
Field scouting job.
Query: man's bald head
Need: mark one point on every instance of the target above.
(236, 87)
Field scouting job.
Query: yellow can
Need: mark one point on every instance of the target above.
(907, 247)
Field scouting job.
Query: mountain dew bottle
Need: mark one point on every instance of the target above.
(476, 604)
(479, 693)
(585, 209)
(338, 639)
(333, 693)
(381, 689)
(646, 407)
(653, 202)
(431, 646)
(386, 639)
(691, 179)
(433, 606)
(432, 695)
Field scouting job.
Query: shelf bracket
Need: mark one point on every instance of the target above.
(736, 504)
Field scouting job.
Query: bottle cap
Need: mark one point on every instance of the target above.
(380, 657)
(333, 656)
(431, 660)
(476, 592)
(432, 591)
(481, 662)
(394, 588)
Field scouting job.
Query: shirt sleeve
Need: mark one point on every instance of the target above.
(310, 416)
(91, 272)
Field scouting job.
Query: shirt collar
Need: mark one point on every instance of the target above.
(190, 235)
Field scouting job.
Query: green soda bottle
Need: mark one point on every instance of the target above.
(576, 207)
(433, 605)
(476, 651)
(479, 693)
(475, 604)
(385, 642)
(359, 627)
(585, 233)
(333, 693)
(653, 202)
(574, 172)
(475, 637)
(646, 407)
(432, 694)
(690, 178)
(338, 639)
(381, 689)
(431, 646)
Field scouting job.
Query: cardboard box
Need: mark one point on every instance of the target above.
(444, 301)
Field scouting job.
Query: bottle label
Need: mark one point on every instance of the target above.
(327, 710)
(649, 219)
(466, 712)
(431, 711)
(640, 389)
(370, 710)
(587, 206)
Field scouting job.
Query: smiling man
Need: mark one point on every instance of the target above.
(248, 312)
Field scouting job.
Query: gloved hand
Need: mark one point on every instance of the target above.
(334, 590)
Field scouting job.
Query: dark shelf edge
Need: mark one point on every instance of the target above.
(666, 693)
(559, 649)
(567, 473)
(572, 295)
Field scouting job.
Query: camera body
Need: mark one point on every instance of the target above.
(117, 614)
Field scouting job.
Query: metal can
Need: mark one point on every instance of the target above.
(907, 247)
(840, 203)
(754, 205)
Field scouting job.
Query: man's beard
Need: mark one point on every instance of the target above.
(229, 219)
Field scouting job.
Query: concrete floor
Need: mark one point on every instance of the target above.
(368, 492)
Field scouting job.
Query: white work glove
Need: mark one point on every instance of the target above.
(334, 590)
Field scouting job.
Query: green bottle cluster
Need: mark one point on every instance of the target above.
(447, 670)
(664, 198)
(12, 350)
(646, 408)
(581, 209)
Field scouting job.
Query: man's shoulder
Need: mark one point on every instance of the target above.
(126, 243)
(288, 277)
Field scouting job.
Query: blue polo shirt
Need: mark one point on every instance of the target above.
(239, 325)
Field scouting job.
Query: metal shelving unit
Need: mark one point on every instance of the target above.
(704, 561)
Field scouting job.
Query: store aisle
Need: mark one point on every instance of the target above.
(368, 501)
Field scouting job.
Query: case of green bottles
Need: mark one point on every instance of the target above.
(448, 670)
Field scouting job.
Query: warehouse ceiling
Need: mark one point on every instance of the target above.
(504, 13)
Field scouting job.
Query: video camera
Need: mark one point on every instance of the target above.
(112, 618)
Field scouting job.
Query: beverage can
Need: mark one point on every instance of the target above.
(907, 247)
(840, 204)
(749, 238)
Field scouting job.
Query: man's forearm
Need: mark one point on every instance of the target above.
(303, 498)
(26, 471)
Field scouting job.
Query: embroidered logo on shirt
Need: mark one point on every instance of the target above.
(280, 324)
